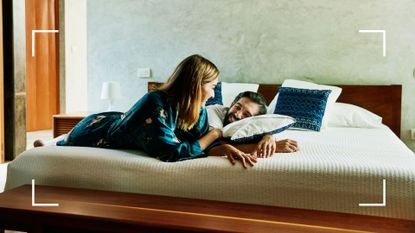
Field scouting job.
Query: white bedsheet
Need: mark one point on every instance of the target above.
(334, 170)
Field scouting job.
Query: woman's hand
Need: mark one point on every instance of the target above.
(266, 147)
(233, 154)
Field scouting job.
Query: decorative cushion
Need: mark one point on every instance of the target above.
(349, 115)
(225, 93)
(334, 95)
(305, 105)
(218, 96)
(252, 129)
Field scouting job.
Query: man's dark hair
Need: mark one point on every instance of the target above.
(255, 97)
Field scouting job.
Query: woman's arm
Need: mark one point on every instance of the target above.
(233, 154)
(209, 138)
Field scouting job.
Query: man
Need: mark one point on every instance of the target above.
(246, 104)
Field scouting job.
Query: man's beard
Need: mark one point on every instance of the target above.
(226, 121)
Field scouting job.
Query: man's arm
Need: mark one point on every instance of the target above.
(246, 148)
(268, 146)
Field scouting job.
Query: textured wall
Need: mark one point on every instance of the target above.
(263, 41)
(19, 68)
(75, 56)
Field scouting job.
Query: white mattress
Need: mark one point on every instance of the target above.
(334, 170)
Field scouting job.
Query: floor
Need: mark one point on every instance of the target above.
(44, 135)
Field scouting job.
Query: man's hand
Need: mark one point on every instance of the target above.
(268, 146)
(286, 146)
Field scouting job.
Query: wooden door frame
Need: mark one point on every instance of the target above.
(62, 66)
(2, 157)
(14, 136)
(10, 133)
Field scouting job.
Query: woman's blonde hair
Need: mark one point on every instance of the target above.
(184, 86)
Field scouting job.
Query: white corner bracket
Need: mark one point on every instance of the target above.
(39, 31)
(383, 36)
(383, 204)
(39, 204)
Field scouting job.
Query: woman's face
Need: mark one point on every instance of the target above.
(208, 90)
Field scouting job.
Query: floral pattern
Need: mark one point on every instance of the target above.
(150, 125)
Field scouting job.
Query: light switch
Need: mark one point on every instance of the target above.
(74, 49)
(143, 72)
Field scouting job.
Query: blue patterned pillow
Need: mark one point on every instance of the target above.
(218, 96)
(305, 105)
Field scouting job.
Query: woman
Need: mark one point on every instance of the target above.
(170, 123)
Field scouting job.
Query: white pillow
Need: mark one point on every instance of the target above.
(252, 129)
(349, 115)
(216, 115)
(231, 90)
(334, 95)
(272, 105)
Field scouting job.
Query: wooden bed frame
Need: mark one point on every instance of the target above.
(383, 100)
(82, 210)
(103, 209)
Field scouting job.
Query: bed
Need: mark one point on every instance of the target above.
(326, 174)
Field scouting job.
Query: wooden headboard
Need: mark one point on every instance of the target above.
(384, 100)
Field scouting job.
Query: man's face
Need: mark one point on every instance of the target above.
(244, 108)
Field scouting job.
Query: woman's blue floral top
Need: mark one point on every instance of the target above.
(149, 125)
